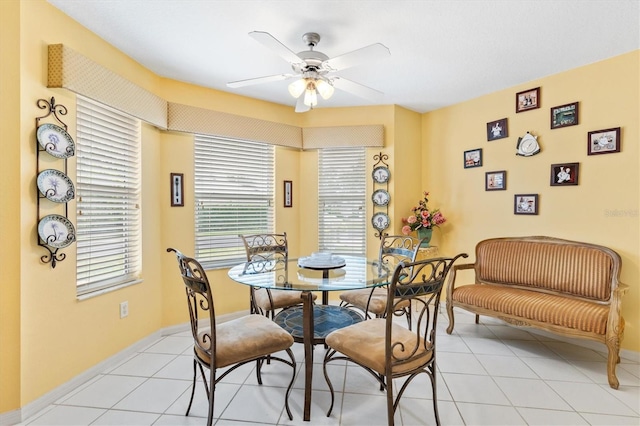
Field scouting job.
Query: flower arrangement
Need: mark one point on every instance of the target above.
(422, 217)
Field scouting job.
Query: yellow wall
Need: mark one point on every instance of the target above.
(40, 310)
(608, 93)
(10, 281)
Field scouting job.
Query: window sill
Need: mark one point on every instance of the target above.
(99, 292)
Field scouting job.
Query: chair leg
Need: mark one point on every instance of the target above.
(193, 387)
(327, 357)
(259, 363)
(293, 376)
(212, 381)
(390, 409)
(435, 397)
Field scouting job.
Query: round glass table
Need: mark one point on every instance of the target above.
(311, 323)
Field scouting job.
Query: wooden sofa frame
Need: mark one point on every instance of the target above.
(565, 287)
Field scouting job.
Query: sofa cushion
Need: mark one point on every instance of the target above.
(570, 269)
(536, 306)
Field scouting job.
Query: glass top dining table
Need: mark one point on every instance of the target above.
(310, 323)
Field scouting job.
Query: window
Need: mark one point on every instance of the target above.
(234, 194)
(108, 197)
(341, 204)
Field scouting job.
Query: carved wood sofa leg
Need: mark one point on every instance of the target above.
(451, 318)
(613, 344)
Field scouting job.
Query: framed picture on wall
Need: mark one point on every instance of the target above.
(525, 204)
(605, 141)
(177, 190)
(564, 174)
(564, 115)
(529, 99)
(288, 193)
(497, 129)
(495, 181)
(473, 158)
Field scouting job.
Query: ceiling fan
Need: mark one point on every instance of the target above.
(315, 72)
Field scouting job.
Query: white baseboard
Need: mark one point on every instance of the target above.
(10, 418)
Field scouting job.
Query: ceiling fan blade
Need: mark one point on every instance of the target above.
(366, 55)
(259, 80)
(300, 106)
(272, 43)
(357, 89)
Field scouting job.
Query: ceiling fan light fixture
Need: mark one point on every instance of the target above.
(311, 96)
(325, 88)
(297, 87)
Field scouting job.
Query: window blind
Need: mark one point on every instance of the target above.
(341, 200)
(234, 194)
(108, 197)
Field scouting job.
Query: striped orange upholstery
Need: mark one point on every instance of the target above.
(576, 270)
(548, 308)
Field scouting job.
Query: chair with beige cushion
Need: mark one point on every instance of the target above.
(389, 350)
(230, 344)
(269, 252)
(393, 250)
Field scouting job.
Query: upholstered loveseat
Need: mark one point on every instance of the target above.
(565, 287)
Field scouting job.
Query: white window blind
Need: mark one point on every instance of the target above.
(342, 186)
(234, 194)
(108, 197)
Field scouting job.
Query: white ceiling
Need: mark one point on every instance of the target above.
(442, 52)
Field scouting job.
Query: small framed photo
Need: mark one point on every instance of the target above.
(473, 158)
(529, 99)
(564, 174)
(177, 190)
(288, 193)
(497, 129)
(604, 141)
(564, 115)
(495, 181)
(525, 204)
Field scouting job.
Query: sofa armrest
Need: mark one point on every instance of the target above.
(452, 277)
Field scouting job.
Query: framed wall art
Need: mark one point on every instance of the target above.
(497, 129)
(177, 189)
(495, 181)
(473, 158)
(525, 204)
(604, 141)
(288, 193)
(564, 115)
(564, 174)
(529, 99)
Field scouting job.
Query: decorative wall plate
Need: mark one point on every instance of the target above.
(56, 186)
(380, 221)
(55, 141)
(381, 174)
(380, 197)
(527, 145)
(56, 231)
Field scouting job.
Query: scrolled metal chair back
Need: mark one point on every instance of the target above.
(421, 282)
(199, 301)
(398, 248)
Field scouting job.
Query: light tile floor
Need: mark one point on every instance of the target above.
(489, 374)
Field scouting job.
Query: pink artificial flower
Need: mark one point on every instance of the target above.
(424, 214)
(411, 219)
(406, 230)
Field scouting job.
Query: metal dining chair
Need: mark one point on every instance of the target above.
(269, 252)
(393, 250)
(388, 350)
(230, 344)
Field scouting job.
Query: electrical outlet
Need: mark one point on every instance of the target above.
(124, 309)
